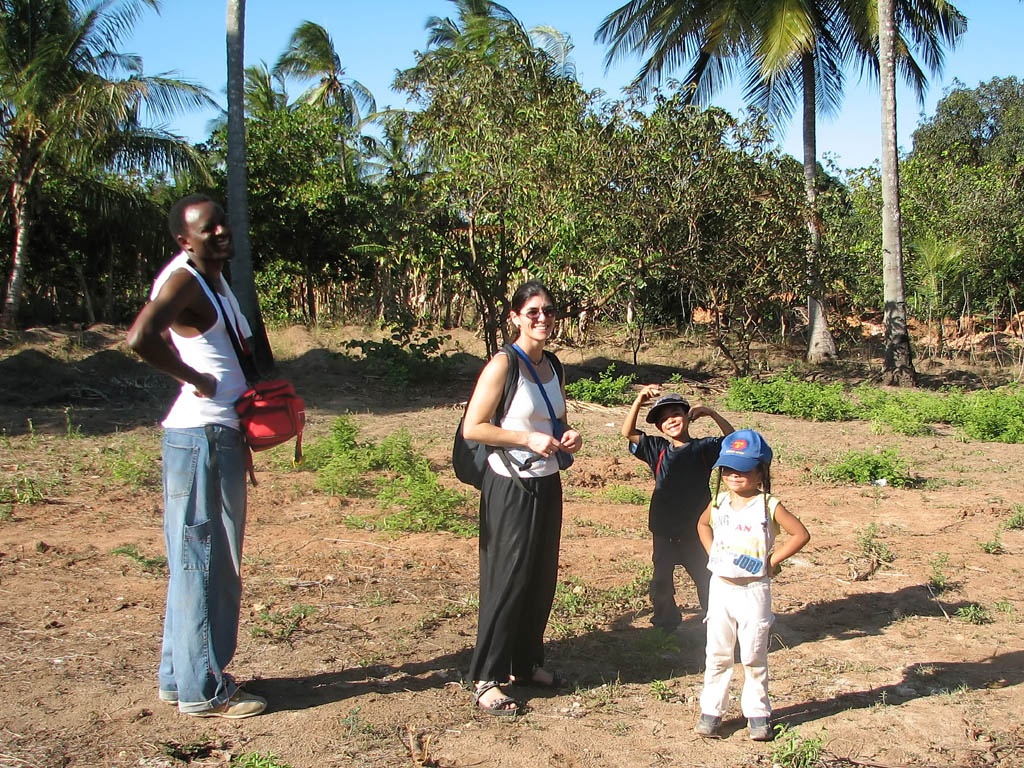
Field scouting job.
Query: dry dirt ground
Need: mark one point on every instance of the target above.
(360, 638)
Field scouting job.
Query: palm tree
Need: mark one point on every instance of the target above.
(311, 54)
(65, 107)
(785, 50)
(898, 366)
(243, 279)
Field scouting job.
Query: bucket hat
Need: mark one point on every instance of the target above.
(744, 450)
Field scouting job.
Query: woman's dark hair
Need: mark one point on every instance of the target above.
(527, 291)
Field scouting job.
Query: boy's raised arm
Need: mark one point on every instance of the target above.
(629, 430)
(702, 410)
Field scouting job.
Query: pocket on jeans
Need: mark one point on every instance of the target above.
(195, 550)
(180, 470)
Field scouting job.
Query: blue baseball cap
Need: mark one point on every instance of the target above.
(744, 450)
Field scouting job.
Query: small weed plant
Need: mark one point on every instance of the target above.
(937, 577)
(132, 465)
(277, 625)
(973, 613)
(256, 760)
(580, 608)
(861, 467)
(871, 548)
(661, 690)
(608, 389)
(993, 546)
(154, 564)
(790, 750)
(24, 490)
(1016, 521)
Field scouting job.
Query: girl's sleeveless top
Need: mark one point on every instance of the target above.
(743, 537)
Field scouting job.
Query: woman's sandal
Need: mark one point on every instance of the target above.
(505, 706)
(532, 681)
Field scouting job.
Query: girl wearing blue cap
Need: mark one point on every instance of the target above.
(738, 531)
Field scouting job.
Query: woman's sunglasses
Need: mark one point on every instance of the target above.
(534, 312)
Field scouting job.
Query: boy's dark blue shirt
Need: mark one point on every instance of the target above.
(681, 490)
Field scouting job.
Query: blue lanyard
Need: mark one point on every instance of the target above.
(556, 423)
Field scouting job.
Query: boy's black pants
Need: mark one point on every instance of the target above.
(668, 553)
(520, 532)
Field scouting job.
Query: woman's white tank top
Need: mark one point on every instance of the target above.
(528, 413)
(210, 352)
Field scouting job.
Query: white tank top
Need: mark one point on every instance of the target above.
(528, 413)
(210, 352)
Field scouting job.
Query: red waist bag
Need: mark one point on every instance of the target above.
(269, 414)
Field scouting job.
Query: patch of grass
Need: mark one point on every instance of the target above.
(1016, 521)
(131, 465)
(973, 613)
(607, 389)
(277, 625)
(623, 494)
(408, 492)
(994, 415)
(450, 611)
(790, 750)
(24, 490)
(256, 760)
(580, 608)
(1004, 606)
(993, 546)
(6, 512)
(861, 467)
(148, 564)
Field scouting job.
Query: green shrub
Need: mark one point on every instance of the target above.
(973, 613)
(994, 416)
(789, 750)
(404, 360)
(789, 396)
(607, 390)
(862, 467)
(424, 505)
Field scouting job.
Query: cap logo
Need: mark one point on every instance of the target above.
(738, 445)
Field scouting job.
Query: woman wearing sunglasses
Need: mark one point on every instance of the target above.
(521, 516)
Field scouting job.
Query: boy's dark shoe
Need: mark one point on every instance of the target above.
(760, 729)
(708, 725)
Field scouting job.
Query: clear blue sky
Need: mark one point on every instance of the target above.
(376, 38)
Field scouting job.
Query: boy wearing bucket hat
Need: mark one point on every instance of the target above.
(681, 466)
(738, 531)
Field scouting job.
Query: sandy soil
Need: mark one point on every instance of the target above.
(360, 639)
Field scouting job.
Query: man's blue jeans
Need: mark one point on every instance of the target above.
(204, 520)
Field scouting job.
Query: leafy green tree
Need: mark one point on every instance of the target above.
(504, 134)
(71, 101)
(785, 50)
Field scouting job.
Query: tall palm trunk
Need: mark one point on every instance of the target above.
(898, 366)
(19, 259)
(242, 280)
(820, 344)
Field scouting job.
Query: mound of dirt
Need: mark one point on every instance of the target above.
(34, 378)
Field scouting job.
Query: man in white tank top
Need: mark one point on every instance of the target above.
(183, 332)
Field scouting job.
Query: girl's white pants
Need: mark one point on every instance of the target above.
(740, 613)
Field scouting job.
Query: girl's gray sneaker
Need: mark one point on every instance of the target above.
(760, 730)
(708, 725)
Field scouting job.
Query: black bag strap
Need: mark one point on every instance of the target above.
(244, 361)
